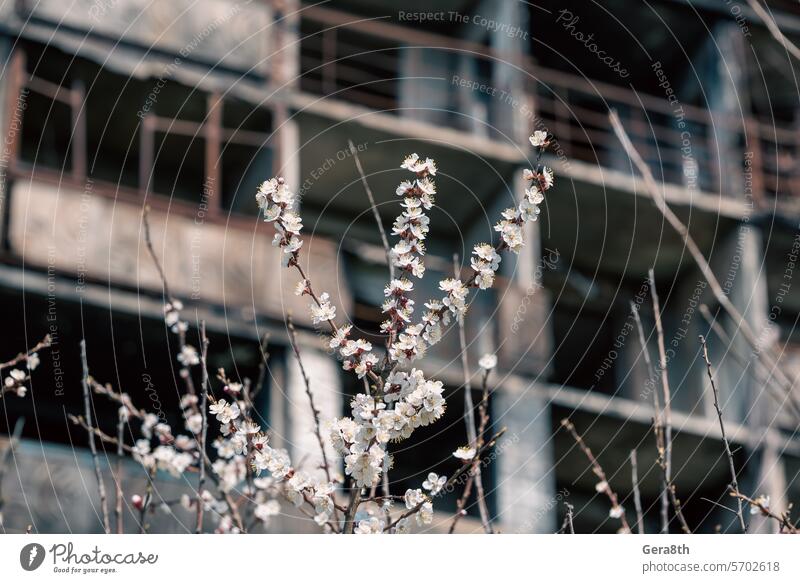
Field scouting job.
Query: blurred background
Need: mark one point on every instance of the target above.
(108, 106)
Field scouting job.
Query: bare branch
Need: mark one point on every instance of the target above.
(637, 496)
(469, 416)
(783, 521)
(657, 426)
(483, 412)
(6, 456)
(598, 471)
(206, 387)
(384, 239)
(119, 494)
(770, 361)
(773, 28)
(449, 484)
(665, 450)
(731, 466)
(87, 403)
(307, 382)
(567, 523)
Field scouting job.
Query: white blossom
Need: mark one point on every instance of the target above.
(371, 525)
(188, 356)
(538, 139)
(465, 453)
(324, 311)
(488, 361)
(434, 483)
(33, 361)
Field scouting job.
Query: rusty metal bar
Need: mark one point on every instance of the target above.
(213, 161)
(78, 145)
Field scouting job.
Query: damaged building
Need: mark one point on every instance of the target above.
(112, 106)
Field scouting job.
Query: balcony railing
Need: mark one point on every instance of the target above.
(410, 73)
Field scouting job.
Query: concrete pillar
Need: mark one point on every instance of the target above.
(525, 478)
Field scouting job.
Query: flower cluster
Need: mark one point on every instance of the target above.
(16, 379)
(485, 262)
(485, 259)
(356, 355)
(411, 226)
(409, 401)
(188, 355)
(402, 400)
(510, 228)
(244, 445)
(323, 311)
(417, 499)
(15, 382)
(456, 297)
(276, 201)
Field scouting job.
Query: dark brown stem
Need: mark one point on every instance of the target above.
(120, 495)
(307, 383)
(469, 418)
(204, 425)
(728, 453)
(483, 413)
(567, 522)
(598, 471)
(666, 442)
(783, 521)
(7, 452)
(87, 404)
(384, 239)
(768, 357)
(449, 484)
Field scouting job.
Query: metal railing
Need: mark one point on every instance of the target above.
(364, 61)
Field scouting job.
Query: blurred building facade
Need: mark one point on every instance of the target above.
(113, 105)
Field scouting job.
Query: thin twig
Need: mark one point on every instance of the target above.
(450, 482)
(148, 494)
(45, 342)
(751, 367)
(262, 366)
(469, 416)
(119, 494)
(349, 517)
(567, 524)
(771, 362)
(87, 403)
(773, 28)
(384, 239)
(483, 413)
(783, 521)
(662, 365)
(206, 387)
(657, 427)
(21, 357)
(667, 417)
(104, 437)
(728, 453)
(4, 461)
(307, 382)
(637, 496)
(598, 471)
